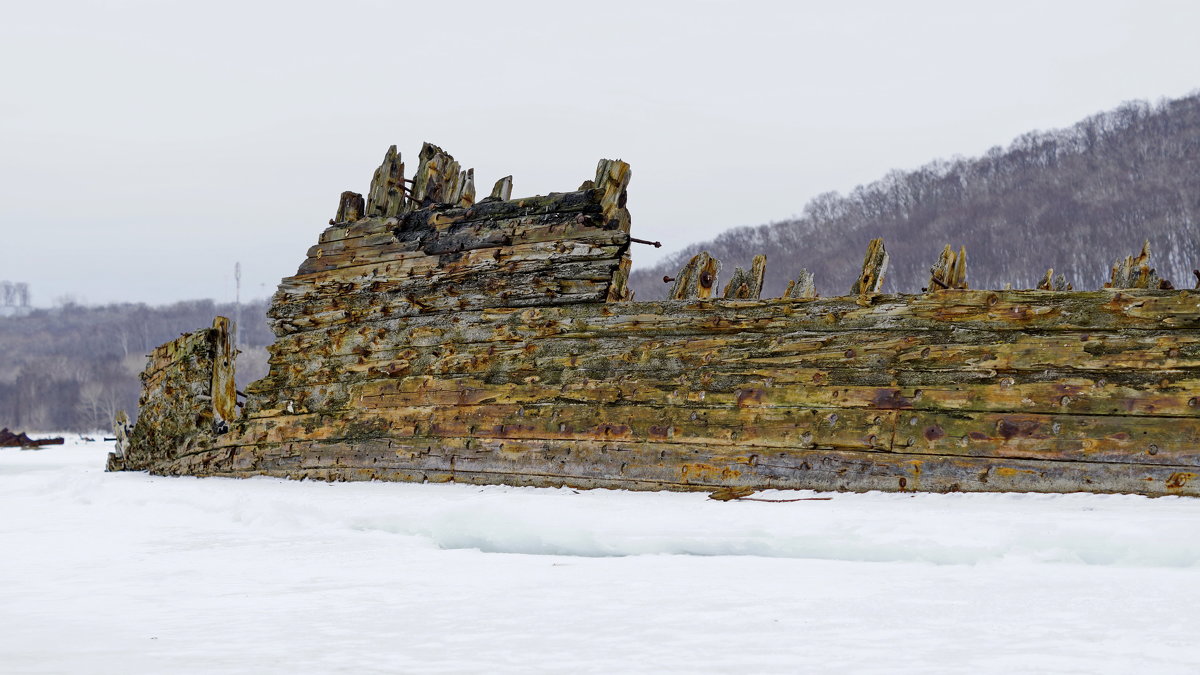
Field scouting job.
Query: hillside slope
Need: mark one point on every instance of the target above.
(1072, 199)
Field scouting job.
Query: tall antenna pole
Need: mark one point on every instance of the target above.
(237, 302)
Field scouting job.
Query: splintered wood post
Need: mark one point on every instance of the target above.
(453, 185)
(758, 270)
(745, 285)
(612, 177)
(350, 207)
(802, 287)
(950, 270)
(697, 279)
(870, 281)
(436, 170)
(1050, 283)
(454, 188)
(386, 196)
(121, 427)
(502, 190)
(619, 289)
(466, 197)
(612, 180)
(738, 287)
(223, 391)
(1135, 272)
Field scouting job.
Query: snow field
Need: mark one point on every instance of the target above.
(129, 573)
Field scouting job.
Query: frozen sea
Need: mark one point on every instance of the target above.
(130, 573)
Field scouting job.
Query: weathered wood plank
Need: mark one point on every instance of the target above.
(502, 190)
(386, 198)
(973, 310)
(350, 207)
(880, 351)
(1135, 272)
(446, 265)
(698, 278)
(1078, 396)
(950, 271)
(748, 426)
(466, 236)
(1095, 438)
(577, 282)
(666, 466)
(745, 285)
(875, 264)
(802, 287)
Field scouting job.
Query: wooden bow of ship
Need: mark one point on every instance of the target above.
(432, 337)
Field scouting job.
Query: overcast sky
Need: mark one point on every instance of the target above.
(148, 146)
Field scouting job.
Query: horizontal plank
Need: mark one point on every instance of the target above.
(872, 359)
(590, 285)
(660, 465)
(1165, 393)
(1171, 310)
(431, 275)
(376, 248)
(1097, 438)
(960, 350)
(759, 427)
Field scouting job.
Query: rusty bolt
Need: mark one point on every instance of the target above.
(667, 279)
(1153, 449)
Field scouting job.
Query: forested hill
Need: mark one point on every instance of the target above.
(71, 368)
(1073, 199)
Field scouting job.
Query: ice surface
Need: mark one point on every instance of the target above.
(128, 573)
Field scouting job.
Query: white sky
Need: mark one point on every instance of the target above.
(145, 147)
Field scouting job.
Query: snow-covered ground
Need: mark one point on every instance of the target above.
(128, 573)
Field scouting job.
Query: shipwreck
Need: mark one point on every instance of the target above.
(431, 336)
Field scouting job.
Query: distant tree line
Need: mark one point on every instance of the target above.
(71, 368)
(1073, 199)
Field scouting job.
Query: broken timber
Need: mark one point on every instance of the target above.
(9, 439)
(429, 337)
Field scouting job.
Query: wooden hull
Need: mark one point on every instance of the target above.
(496, 344)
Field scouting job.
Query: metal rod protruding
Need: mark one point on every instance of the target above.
(655, 244)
